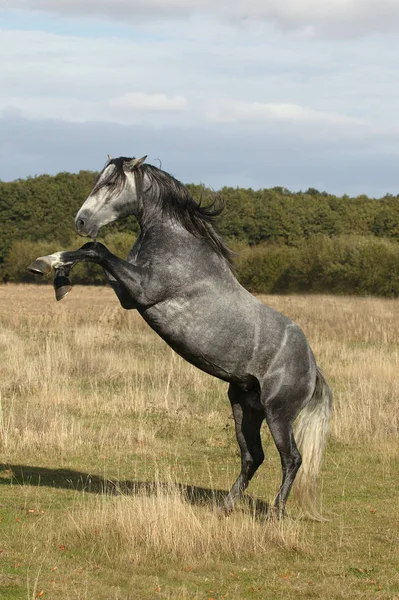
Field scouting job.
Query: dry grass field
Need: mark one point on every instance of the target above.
(114, 452)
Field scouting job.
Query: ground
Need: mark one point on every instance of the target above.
(115, 452)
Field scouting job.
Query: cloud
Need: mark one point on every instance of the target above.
(277, 103)
(128, 109)
(277, 87)
(79, 79)
(312, 17)
(302, 123)
(148, 102)
(230, 111)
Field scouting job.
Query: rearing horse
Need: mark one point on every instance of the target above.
(178, 276)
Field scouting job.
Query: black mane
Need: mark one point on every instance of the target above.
(176, 202)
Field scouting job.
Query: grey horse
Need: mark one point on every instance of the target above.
(179, 276)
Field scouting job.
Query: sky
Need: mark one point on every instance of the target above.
(261, 93)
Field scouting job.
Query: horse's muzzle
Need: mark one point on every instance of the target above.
(83, 226)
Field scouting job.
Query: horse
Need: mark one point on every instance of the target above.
(179, 276)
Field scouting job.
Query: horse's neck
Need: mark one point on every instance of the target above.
(148, 210)
(163, 227)
(151, 217)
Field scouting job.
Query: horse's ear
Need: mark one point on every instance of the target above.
(135, 163)
(109, 157)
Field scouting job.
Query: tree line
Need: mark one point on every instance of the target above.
(285, 241)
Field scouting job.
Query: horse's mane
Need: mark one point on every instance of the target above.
(176, 202)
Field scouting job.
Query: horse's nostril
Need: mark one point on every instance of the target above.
(82, 224)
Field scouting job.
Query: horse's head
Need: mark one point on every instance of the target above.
(113, 197)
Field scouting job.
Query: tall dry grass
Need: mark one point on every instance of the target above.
(142, 528)
(63, 363)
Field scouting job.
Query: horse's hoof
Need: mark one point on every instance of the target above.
(275, 514)
(40, 266)
(62, 287)
(61, 292)
(224, 509)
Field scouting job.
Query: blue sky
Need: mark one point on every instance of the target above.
(256, 94)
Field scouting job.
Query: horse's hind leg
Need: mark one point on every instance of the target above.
(248, 420)
(281, 429)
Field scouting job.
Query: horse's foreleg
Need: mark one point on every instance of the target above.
(122, 293)
(44, 266)
(62, 285)
(126, 275)
(248, 421)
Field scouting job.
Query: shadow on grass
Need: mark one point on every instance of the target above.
(95, 484)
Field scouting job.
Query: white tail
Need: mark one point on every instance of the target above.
(310, 436)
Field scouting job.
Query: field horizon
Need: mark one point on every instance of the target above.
(115, 453)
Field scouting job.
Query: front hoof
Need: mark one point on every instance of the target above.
(41, 266)
(62, 287)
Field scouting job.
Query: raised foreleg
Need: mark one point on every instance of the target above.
(125, 278)
(121, 291)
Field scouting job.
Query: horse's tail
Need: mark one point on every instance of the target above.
(310, 435)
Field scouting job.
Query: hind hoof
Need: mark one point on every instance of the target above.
(62, 287)
(41, 266)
